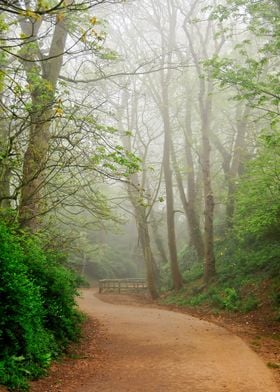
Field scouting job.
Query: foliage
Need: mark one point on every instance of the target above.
(254, 73)
(248, 276)
(116, 160)
(257, 206)
(187, 257)
(37, 310)
(165, 277)
(58, 287)
(248, 254)
(192, 270)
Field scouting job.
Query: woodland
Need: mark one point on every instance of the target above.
(137, 139)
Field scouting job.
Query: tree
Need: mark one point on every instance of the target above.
(42, 80)
(162, 100)
(45, 35)
(205, 107)
(136, 194)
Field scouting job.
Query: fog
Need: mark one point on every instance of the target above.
(150, 132)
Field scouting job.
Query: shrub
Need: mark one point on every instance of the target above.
(249, 304)
(198, 299)
(227, 299)
(58, 287)
(38, 316)
(24, 343)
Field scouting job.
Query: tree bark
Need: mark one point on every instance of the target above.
(231, 162)
(176, 274)
(42, 79)
(157, 239)
(5, 169)
(205, 108)
(136, 197)
(189, 207)
(235, 163)
(209, 204)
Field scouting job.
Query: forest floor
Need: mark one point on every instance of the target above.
(138, 345)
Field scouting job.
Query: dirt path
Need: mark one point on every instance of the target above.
(154, 350)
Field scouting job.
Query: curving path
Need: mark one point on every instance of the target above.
(154, 350)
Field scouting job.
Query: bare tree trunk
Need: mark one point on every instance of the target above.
(205, 101)
(136, 197)
(5, 175)
(35, 159)
(158, 239)
(164, 106)
(176, 275)
(205, 108)
(232, 161)
(147, 251)
(235, 163)
(189, 209)
(5, 170)
(196, 234)
(42, 78)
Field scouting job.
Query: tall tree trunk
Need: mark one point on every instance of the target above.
(205, 101)
(5, 176)
(197, 238)
(158, 239)
(176, 275)
(136, 198)
(235, 163)
(190, 210)
(231, 161)
(144, 238)
(5, 169)
(205, 108)
(42, 79)
(34, 164)
(165, 112)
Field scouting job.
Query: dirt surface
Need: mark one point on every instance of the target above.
(156, 350)
(136, 345)
(83, 360)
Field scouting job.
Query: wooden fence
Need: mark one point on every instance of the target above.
(122, 285)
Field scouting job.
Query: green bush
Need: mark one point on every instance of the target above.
(227, 299)
(58, 286)
(198, 299)
(249, 304)
(38, 316)
(194, 273)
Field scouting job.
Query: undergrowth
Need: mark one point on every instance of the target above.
(248, 276)
(38, 315)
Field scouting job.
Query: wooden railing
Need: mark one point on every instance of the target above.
(122, 285)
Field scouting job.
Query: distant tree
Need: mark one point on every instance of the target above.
(205, 100)
(137, 197)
